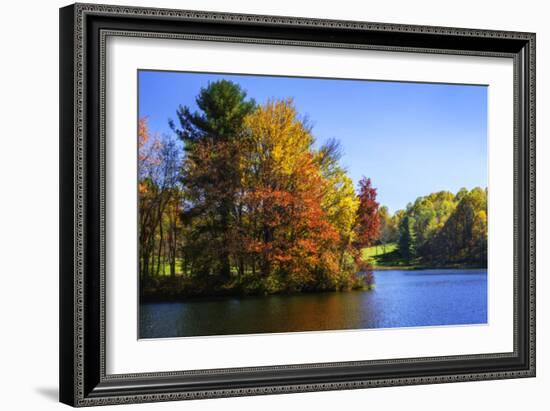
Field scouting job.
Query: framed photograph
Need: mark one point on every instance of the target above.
(261, 204)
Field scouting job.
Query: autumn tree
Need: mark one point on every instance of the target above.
(170, 205)
(158, 189)
(287, 234)
(211, 169)
(367, 225)
(148, 175)
(339, 200)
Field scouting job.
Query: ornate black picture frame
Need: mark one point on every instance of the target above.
(83, 31)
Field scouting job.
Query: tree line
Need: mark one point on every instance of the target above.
(440, 229)
(240, 200)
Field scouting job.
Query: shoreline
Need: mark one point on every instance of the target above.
(420, 267)
(156, 298)
(153, 297)
(424, 267)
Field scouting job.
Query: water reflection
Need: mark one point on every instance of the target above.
(400, 299)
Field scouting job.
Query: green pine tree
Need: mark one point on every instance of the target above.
(407, 238)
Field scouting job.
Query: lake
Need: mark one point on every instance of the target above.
(401, 298)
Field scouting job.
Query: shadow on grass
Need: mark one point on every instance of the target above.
(391, 259)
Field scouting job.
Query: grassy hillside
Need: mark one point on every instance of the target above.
(384, 256)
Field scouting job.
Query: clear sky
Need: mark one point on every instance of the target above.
(411, 139)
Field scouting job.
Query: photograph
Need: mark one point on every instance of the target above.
(278, 204)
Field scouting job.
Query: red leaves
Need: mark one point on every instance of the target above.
(368, 220)
(291, 229)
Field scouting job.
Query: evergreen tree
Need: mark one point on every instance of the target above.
(211, 169)
(407, 238)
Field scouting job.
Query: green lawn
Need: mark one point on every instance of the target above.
(383, 255)
(379, 250)
(165, 267)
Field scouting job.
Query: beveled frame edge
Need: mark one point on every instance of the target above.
(73, 197)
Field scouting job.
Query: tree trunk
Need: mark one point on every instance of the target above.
(161, 243)
(225, 265)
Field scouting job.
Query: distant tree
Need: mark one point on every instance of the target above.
(463, 238)
(430, 213)
(389, 231)
(461, 194)
(396, 221)
(407, 238)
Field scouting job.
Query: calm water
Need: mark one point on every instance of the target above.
(400, 299)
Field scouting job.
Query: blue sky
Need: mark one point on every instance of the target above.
(411, 139)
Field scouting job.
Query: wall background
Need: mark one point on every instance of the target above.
(29, 204)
